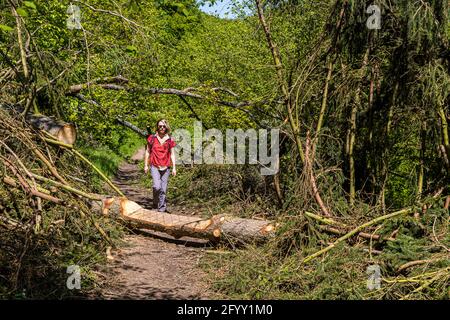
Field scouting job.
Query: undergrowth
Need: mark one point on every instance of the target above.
(275, 271)
(41, 237)
(216, 189)
(108, 158)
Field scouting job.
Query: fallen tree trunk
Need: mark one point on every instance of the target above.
(112, 83)
(64, 132)
(216, 228)
(132, 127)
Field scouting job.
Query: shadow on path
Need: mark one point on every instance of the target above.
(153, 265)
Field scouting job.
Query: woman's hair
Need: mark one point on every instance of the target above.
(165, 122)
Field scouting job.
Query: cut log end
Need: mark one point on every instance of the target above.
(106, 205)
(217, 233)
(268, 229)
(67, 134)
(128, 207)
(64, 132)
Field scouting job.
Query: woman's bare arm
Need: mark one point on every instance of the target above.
(172, 156)
(146, 157)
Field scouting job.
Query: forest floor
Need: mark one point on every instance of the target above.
(154, 265)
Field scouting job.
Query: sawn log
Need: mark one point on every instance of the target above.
(217, 228)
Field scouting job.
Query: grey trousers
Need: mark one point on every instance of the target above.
(160, 181)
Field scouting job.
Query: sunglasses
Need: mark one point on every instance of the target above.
(162, 126)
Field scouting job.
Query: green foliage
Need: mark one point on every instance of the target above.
(103, 158)
(254, 274)
(108, 156)
(406, 248)
(22, 12)
(179, 17)
(171, 44)
(5, 27)
(54, 236)
(238, 188)
(30, 4)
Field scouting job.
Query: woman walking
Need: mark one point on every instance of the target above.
(160, 156)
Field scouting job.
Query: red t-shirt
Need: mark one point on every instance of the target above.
(160, 154)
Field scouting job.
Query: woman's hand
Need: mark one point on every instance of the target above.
(174, 172)
(146, 169)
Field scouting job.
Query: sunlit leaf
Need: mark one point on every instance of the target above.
(5, 28)
(22, 12)
(30, 4)
(131, 48)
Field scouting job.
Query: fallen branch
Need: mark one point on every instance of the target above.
(181, 94)
(364, 235)
(39, 154)
(427, 283)
(66, 187)
(132, 127)
(111, 83)
(83, 214)
(309, 171)
(113, 13)
(324, 220)
(415, 263)
(11, 182)
(79, 155)
(75, 90)
(27, 186)
(355, 231)
(330, 222)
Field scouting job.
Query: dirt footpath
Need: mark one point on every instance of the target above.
(153, 265)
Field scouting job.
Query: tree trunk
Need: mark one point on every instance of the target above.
(423, 141)
(384, 172)
(281, 80)
(64, 132)
(445, 137)
(351, 134)
(217, 228)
